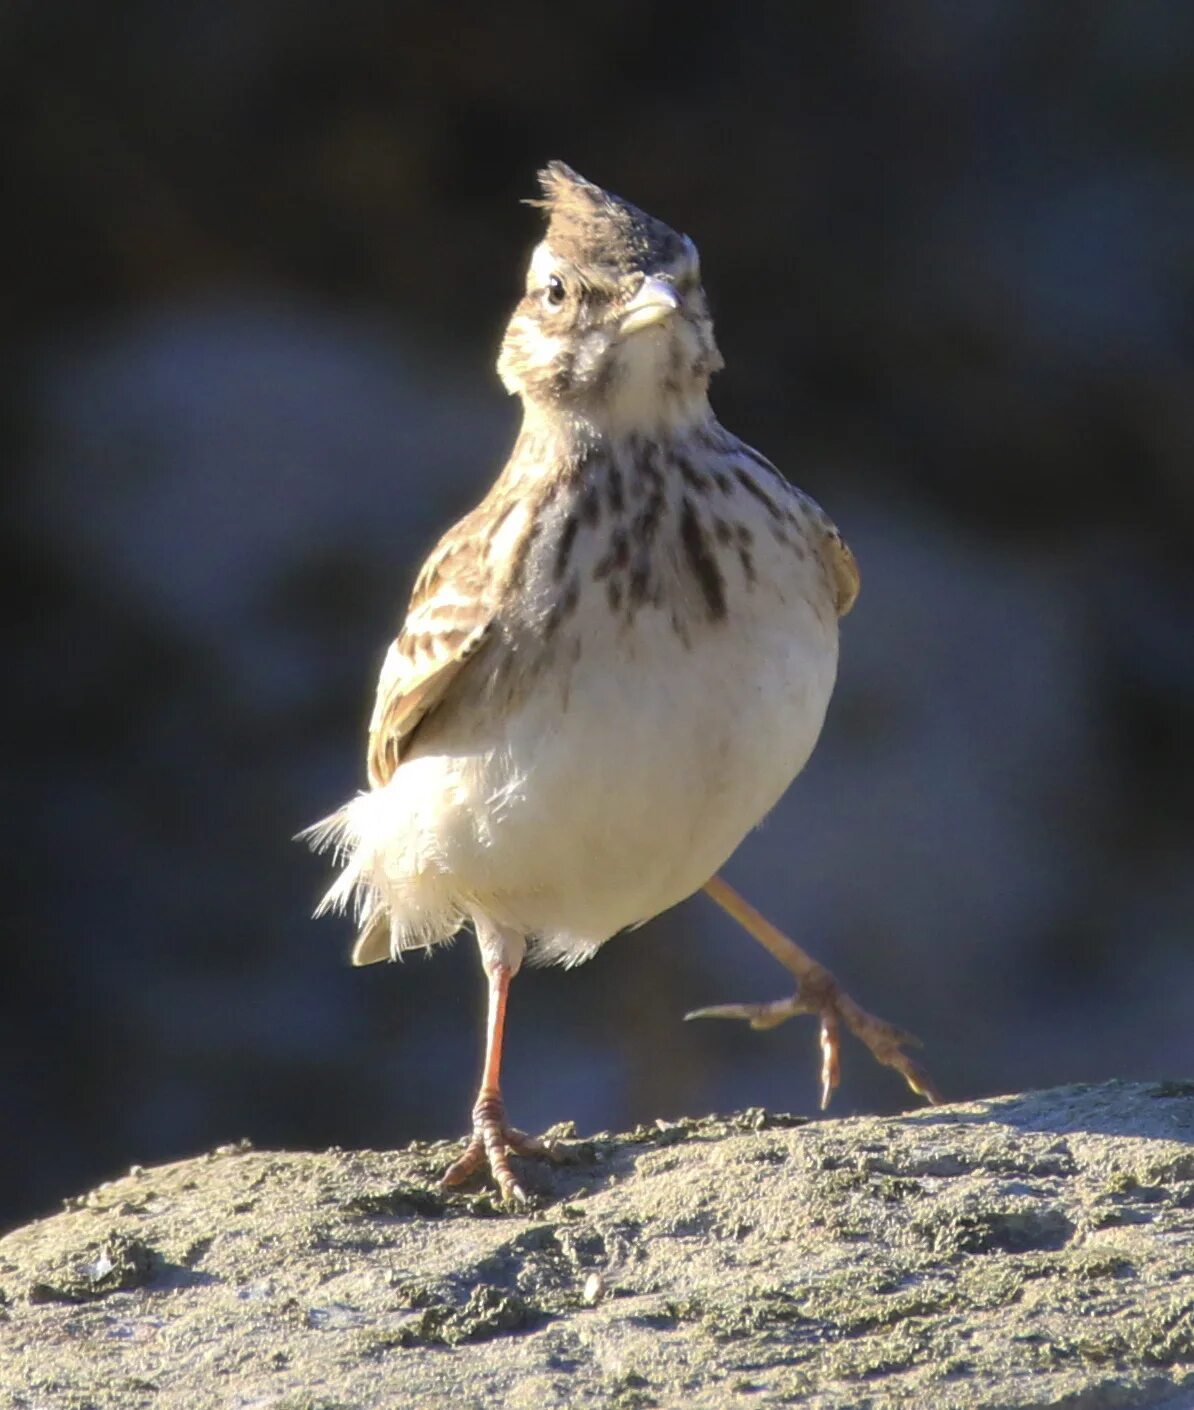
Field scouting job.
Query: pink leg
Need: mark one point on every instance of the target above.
(817, 993)
(493, 1140)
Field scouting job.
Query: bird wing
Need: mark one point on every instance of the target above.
(453, 611)
(835, 553)
(450, 615)
(844, 569)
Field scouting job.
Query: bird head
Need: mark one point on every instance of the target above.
(613, 326)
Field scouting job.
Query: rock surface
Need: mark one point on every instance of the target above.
(1034, 1250)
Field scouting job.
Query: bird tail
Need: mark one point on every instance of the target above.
(375, 940)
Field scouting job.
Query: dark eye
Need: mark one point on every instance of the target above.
(556, 292)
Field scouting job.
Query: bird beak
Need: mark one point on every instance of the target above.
(655, 301)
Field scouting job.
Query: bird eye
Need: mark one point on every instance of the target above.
(556, 292)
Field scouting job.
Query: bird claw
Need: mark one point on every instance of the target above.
(820, 995)
(765, 1015)
(492, 1143)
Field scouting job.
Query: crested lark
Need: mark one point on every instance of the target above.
(612, 668)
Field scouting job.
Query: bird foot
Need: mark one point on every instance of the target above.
(819, 994)
(493, 1142)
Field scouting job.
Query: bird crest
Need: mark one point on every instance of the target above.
(590, 226)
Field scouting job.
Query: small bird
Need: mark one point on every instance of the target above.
(610, 669)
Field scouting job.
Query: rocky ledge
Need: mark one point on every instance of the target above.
(1035, 1250)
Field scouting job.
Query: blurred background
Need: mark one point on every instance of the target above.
(260, 257)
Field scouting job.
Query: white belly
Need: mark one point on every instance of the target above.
(615, 789)
(633, 799)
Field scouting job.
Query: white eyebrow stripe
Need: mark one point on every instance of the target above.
(543, 263)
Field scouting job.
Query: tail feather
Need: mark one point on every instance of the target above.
(375, 941)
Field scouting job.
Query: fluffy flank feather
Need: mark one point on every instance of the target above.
(327, 834)
(337, 835)
(412, 908)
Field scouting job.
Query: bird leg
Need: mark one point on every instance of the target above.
(817, 992)
(493, 1139)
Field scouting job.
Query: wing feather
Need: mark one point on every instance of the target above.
(452, 613)
(844, 566)
(415, 676)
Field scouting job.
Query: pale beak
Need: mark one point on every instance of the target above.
(655, 301)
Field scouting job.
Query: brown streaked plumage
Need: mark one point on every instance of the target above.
(612, 667)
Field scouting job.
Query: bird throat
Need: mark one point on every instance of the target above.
(626, 408)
